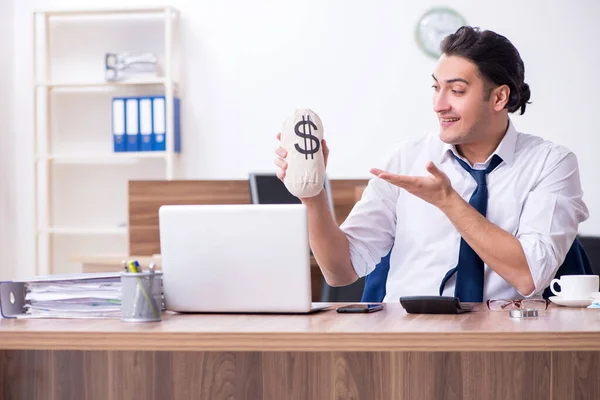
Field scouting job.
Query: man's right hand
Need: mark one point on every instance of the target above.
(281, 154)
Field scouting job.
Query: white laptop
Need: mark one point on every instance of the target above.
(236, 258)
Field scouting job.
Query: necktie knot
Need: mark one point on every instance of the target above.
(480, 174)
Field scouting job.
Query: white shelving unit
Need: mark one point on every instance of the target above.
(80, 182)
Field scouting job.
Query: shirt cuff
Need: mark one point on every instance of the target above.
(359, 257)
(542, 263)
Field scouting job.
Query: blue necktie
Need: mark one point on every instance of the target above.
(469, 270)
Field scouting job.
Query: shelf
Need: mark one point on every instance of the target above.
(113, 158)
(71, 142)
(71, 230)
(99, 85)
(111, 13)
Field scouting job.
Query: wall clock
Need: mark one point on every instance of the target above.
(434, 26)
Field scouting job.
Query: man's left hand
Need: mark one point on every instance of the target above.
(435, 189)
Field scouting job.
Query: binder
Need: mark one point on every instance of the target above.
(132, 128)
(145, 123)
(78, 288)
(158, 124)
(118, 124)
(177, 127)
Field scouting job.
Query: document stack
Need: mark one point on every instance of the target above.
(130, 65)
(140, 124)
(74, 296)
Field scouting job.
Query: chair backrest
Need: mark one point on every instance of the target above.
(375, 282)
(267, 188)
(576, 263)
(591, 244)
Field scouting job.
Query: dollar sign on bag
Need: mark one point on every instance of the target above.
(308, 138)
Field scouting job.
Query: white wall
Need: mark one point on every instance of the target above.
(249, 64)
(8, 210)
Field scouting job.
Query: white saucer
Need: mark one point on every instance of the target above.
(562, 301)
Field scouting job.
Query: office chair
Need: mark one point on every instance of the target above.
(346, 294)
(591, 244)
(576, 263)
(375, 282)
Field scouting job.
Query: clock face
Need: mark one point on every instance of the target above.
(434, 26)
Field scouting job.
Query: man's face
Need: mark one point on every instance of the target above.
(458, 101)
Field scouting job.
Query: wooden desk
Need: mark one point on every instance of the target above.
(385, 355)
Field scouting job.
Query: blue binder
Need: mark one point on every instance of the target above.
(159, 123)
(177, 127)
(159, 126)
(145, 123)
(118, 124)
(132, 125)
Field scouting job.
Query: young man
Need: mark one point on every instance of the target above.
(430, 203)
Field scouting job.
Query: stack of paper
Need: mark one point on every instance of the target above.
(74, 296)
(596, 302)
(129, 64)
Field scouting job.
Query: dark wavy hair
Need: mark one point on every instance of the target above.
(497, 59)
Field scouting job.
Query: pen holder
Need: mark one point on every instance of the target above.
(141, 296)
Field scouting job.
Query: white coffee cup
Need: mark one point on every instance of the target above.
(576, 286)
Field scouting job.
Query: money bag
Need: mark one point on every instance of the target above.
(301, 138)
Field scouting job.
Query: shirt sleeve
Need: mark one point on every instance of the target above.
(550, 219)
(371, 225)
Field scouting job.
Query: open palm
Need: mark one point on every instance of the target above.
(434, 189)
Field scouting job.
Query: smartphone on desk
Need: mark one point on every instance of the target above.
(360, 308)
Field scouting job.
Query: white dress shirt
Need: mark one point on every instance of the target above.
(534, 194)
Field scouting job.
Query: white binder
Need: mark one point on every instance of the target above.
(159, 124)
(132, 129)
(118, 124)
(145, 124)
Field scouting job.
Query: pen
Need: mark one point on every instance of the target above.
(132, 266)
(152, 269)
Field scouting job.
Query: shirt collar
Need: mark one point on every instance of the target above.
(506, 148)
